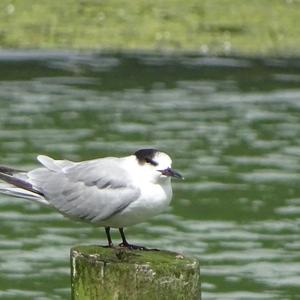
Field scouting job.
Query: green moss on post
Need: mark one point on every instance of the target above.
(102, 273)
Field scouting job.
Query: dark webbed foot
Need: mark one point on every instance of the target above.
(125, 244)
(133, 247)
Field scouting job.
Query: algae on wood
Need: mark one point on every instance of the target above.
(104, 273)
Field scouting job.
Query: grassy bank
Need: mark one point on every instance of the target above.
(256, 27)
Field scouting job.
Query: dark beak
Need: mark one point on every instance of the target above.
(171, 173)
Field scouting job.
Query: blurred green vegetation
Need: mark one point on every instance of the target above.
(256, 27)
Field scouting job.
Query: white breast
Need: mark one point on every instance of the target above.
(154, 199)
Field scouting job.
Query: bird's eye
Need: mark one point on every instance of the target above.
(151, 161)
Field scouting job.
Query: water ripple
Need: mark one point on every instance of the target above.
(232, 127)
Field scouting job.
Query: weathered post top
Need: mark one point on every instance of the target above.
(101, 273)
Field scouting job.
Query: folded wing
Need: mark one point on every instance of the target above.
(93, 190)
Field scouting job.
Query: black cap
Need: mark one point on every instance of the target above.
(145, 155)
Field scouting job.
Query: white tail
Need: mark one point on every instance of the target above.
(15, 184)
(20, 193)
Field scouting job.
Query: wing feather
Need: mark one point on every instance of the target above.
(92, 190)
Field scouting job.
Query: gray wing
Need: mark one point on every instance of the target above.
(92, 190)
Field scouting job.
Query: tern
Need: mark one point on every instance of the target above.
(110, 192)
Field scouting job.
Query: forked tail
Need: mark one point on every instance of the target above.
(15, 185)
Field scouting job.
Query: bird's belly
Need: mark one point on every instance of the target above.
(147, 206)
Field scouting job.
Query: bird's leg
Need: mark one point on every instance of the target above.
(124, 241)
(126, 244)
(107, 231)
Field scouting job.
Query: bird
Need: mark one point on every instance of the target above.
(109, 192)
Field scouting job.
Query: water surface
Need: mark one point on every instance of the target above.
(232, 128)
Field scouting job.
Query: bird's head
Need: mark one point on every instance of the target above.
(156, 164)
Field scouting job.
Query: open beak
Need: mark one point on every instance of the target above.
(171, 173)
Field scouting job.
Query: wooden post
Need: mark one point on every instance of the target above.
(100, 273)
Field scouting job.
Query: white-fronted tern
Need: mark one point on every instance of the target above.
(109, 192)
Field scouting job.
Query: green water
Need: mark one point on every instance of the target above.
(232, 127)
